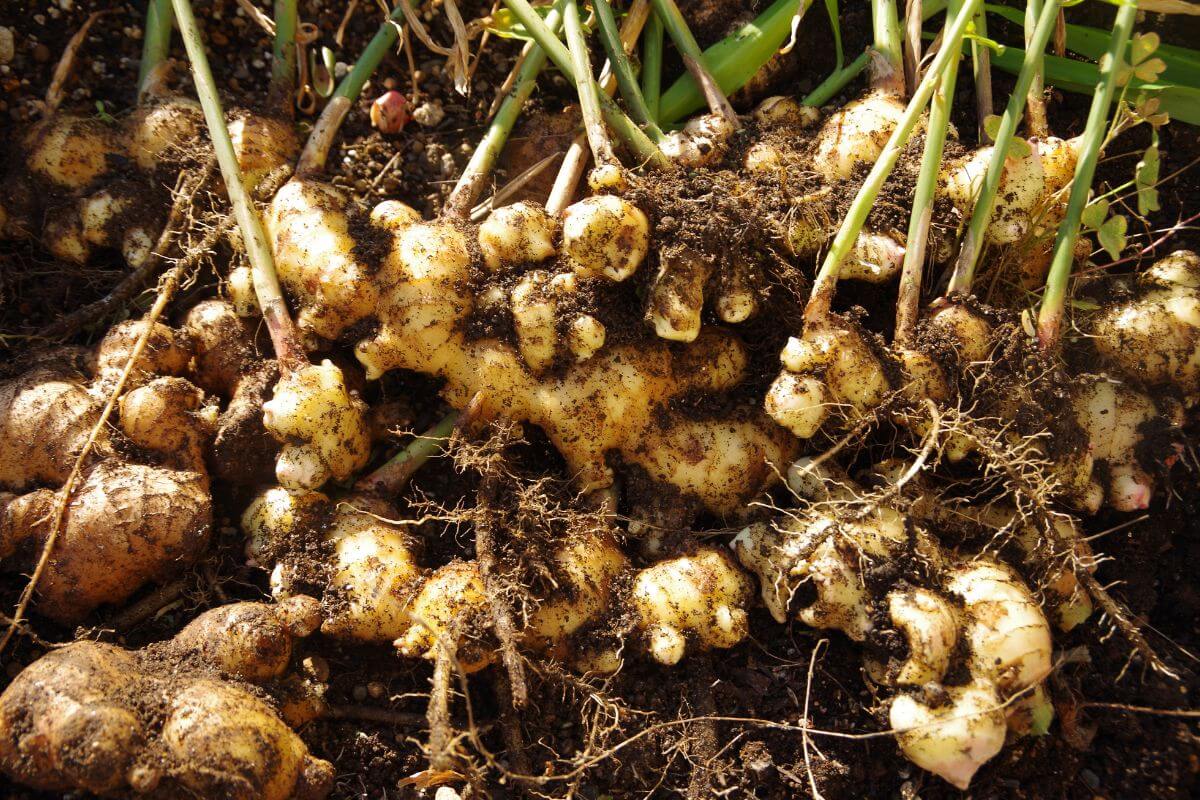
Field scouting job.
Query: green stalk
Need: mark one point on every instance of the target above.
(288, 350)
(283, 54)
(466, 191)
(826, 281)
(587, 88)
(391, 477)
(693, 57)
(1035, 117)
(889, 43)
(1050, 316)
(981, 71)
(837, 81)
(652, 58)
(733, 60)
(633, 136)
(610, 36)
(316, 149)
(909, 302)
(156, 43)
(972, 245)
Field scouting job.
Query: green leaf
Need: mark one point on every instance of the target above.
(1149, 70)
(1112, 235)
(1142, 46)
(1145, 178)
(505, 25)
(1093, 216)
(990, 44)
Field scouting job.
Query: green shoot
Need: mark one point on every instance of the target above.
(909, 301)
(652, 58)
(826, 281)
(733, 60)
(1094, 135)
(156, 43)
(981, 71)
(610, 36)
(288, 350)
(1035, 119)
(633, 136)
(837, 81)
(392, 476)
(693, 58)
(283, 54)
(888, 43)
(839, 54)
(470, 183)
(587, 88)
(972, 245)
(316, 149)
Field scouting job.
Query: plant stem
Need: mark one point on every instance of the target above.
(283, 55)
(826, 281)
(288, 350)
(735, 59)
(586, 87)
(885, 23)
(466, 191)
(837, 81)
(156, 43)
(981, 71)
(575, 160)
(1050, 316)
(610, 36)
(316, 149)
(391, 477)
(972, 245)
(909, 302)
(622, 125)
(1035, 116)
(652, 58)
(693, 57)
(913, 21)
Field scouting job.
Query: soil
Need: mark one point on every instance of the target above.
(1117, 733)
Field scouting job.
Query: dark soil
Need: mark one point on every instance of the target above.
(1116, 735)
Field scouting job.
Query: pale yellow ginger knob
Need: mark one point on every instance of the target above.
(522, 233)
(605, 236)
(955, 737)
(322, 427)
(702, 596)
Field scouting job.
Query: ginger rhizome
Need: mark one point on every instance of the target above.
(73, 190)
(378, 590)
(557, 371)
(140, 510)
(949, 608)
(173, 718)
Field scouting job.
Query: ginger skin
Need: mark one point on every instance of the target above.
(78, 718)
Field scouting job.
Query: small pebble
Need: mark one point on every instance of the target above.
(40, 19)
(376, 689)
(1090, 779)
(66, 5)
(340, 69)
(429, 114)
(41, 54)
